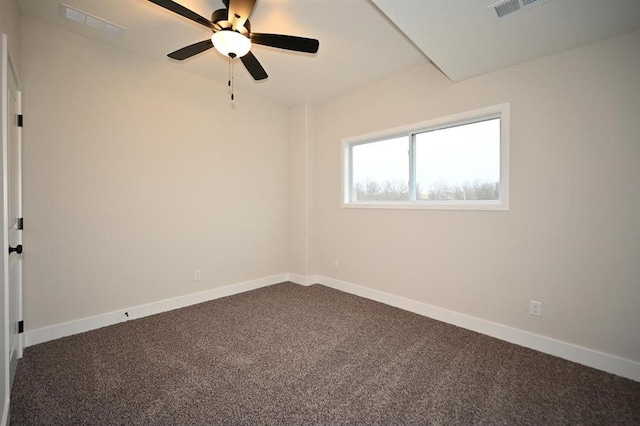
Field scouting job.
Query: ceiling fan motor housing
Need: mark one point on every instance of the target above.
(221, 18)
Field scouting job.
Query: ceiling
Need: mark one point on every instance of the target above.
(361, 41)
(465, 38)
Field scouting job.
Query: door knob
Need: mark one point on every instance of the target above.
(17, 249)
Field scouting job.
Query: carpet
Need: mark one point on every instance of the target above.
(288, 354)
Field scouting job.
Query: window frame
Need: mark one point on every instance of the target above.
(500, 111)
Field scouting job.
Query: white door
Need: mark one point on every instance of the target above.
(12, 214)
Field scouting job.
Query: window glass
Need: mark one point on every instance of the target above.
(380, 170)
(456, 162)
(459, 163)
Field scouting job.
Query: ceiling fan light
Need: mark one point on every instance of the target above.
(229, 42)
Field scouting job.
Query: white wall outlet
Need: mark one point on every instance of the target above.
(197, 275)
(535, 308)
(335, 264)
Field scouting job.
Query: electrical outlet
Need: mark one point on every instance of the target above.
(197, 275)
(535, 308)
(335, 264)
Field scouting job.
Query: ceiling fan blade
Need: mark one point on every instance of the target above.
(253, 66)
(183, 11)
(191, 50)
(299, 44)
(240, 9)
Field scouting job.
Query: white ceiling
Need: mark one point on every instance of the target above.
(359, 44)
(464, 38)
(351, 54)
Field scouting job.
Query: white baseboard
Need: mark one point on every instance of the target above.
(303, 280)
(581, 355)
(298, 279)
(45, 334)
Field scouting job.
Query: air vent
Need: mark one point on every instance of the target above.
(90, 21)
(506, 8)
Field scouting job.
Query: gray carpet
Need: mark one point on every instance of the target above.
(288, 354)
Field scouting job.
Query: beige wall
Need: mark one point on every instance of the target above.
(130, 186)
(572, 236)
(136, 174)
(10, 25)
(298, 182)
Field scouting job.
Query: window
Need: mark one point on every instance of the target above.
(458, 162)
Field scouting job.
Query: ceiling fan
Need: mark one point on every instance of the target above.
(232, 35)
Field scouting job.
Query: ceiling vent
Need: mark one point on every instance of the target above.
(90, 21)
(505, 8)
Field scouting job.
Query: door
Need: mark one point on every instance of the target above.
(12, 214)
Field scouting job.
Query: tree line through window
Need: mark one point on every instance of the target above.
(371, 190)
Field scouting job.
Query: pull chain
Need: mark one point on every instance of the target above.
(230, 83)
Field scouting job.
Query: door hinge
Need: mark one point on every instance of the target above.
(20, 326)
(21, 223)
(20, 120)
